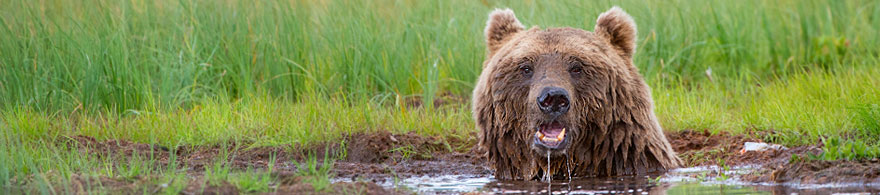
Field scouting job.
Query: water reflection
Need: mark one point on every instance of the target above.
(610, 185)
(456, 184)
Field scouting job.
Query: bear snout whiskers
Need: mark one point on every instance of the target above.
(553, 101)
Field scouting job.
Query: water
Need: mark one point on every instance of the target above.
(680, 181)
(568, 161)
(549, 177)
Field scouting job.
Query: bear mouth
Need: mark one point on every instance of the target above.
(550, 135)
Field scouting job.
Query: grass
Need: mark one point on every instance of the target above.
(251, 181)
(122, 55)
(269, 73)
(805, 107)
(317, 173)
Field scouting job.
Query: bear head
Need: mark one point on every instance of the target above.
(567, 95)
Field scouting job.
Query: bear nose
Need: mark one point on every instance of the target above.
(553, 101)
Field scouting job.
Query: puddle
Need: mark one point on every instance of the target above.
(441, 184)
(693, 180)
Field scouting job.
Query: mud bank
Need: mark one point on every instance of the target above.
(363, 160)
(359, 162)
(701, 148)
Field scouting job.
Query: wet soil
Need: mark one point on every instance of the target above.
(382, 155)
(701, 148)
(197, 185)
(823, 172)
(360, 162)
(440, 100)
(365, 159)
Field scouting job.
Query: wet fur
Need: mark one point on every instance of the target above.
(613, 128)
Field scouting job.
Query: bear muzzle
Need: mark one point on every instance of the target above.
(551, 136)
(553, 101)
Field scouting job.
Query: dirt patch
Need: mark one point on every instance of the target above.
(386, 147)
(291, 185)
(338, 188)
(200, 186)
(383, 155)
(362, 160)
(116, 147)
(82, 184)
(194, 157)
(78, 184)
(370, 157)
(822, 172)
(701, 148)
(440, 100)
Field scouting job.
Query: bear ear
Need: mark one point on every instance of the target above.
(618, 27)
(502, 24)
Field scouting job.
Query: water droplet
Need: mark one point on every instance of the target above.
(569, 168)
(547, 171)
(549, 177)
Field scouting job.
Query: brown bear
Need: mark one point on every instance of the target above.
(569, 98)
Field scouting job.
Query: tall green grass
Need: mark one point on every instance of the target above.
(260, 121)
(202, 72)
(120, 55)
(796, 111)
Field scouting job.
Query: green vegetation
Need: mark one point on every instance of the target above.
(722, 170)
(269, 73)
(317, 173)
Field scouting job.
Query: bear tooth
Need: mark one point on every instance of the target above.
(539, 135)
(561, 134)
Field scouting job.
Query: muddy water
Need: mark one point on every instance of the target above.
(694, 180)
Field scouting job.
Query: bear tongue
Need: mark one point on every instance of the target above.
(551, 132)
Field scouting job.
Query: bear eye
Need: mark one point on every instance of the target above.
(576, 67)
(525, 69)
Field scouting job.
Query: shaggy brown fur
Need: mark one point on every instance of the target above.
(612, 129)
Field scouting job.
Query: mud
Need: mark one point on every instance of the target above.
(360, 161)
(701, 148)
(379, 156)
(440, 100)
(365, 159)
(823, 172)
(197, 185)
(339, 188)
